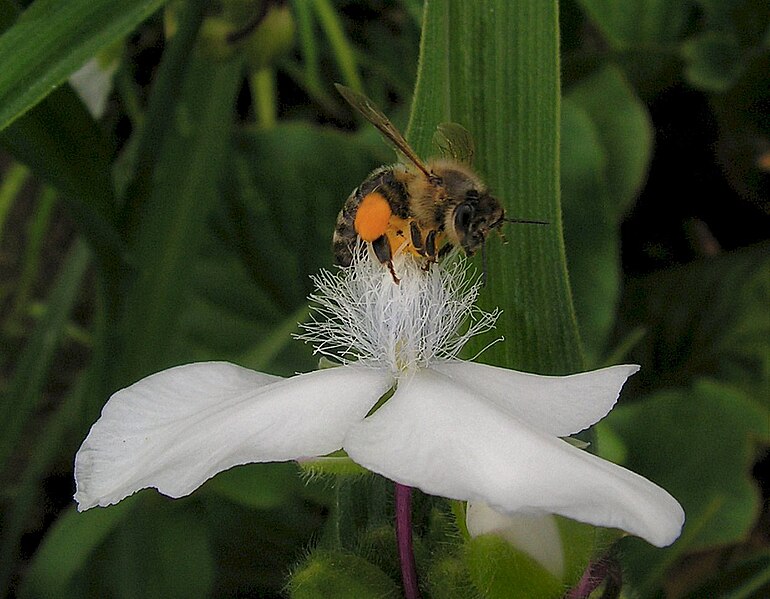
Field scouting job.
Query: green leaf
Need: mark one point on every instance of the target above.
(591, 234)
(341, 48)
(141, 547)
(14, 178)
(51, 441)
(141, 155)
(708, 318)
(68, 546)
(698, 444)
(638, 22)
(300, 200)
(746, 579)
(63, 145)
(259, 486)
(185, 564)
(606, 145)
(499, 571)
(281, 201)
(24, 391)
(336, 575)
(163, 551)
(624, 130)
(713, 61)
(747, 19)
(183, 194)
(52, 39)
(505, 91)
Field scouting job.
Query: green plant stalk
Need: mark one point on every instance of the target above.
(36, 231)
(341, 47)
(184, 189)
(308, 44)
(13, 181)
(158, 118)
(263, 92)
(25, 388)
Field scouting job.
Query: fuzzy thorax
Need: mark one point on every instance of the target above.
(360, 315)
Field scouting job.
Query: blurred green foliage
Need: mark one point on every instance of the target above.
(182, 225)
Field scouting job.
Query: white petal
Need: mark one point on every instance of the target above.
(93, 83)
(438, 436)
(177, 428)
(536, 535)
(560, 405)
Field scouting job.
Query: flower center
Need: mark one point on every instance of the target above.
(360, 315)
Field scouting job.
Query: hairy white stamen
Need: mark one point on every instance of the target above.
(361, 315)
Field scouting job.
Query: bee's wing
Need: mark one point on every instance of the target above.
(454, 141)
(375, 116)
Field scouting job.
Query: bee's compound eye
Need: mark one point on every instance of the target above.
(372, 216)
(463, 216)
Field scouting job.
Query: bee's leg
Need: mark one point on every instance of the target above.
(430, 249)
(381, 247)
(448, 247)
(416, 236)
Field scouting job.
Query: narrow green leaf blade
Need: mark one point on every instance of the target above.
(31, 371)
(185, 188)
(52, 39)
(505, 91)
(63, 145)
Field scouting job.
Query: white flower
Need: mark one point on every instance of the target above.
(452, 428)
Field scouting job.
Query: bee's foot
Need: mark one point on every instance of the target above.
(392, 270)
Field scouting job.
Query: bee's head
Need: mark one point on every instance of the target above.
(473, 218)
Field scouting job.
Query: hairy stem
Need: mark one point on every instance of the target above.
(404, 539)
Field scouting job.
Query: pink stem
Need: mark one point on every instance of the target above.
(404, 540)
(594, 575)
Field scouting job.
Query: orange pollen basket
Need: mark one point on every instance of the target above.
(372, 216)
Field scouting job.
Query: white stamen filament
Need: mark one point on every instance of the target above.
(361, 315)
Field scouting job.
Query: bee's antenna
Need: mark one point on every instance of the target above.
(522, 221)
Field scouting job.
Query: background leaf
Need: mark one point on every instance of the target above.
(51, 40)
(713, 484)
(23, 393)
(606, 145)
(638, 21)
(716, 305)
(68, 547)
(184, 190)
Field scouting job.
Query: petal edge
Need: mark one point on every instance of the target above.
(176, 429)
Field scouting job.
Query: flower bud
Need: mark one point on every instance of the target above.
(340, 575)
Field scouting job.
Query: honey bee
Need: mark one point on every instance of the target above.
(424, 208)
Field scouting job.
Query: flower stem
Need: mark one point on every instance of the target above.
(404, 540)
(605, 569)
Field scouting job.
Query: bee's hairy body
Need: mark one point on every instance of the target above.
(398, 208)
(425, 208)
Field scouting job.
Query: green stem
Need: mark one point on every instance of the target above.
(263, 92)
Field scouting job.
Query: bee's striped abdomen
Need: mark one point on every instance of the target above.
(382, 181)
